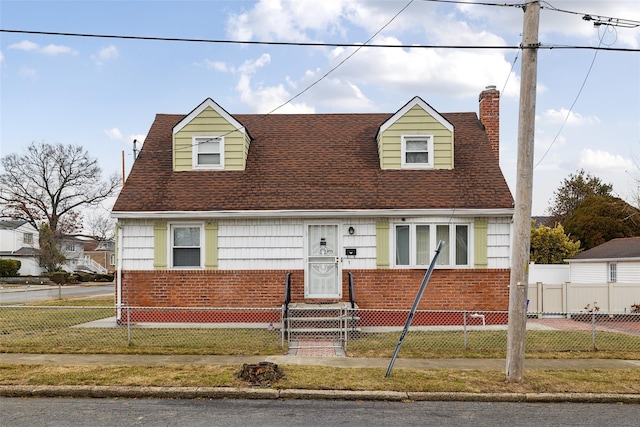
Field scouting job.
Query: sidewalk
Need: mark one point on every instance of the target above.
(272, 393)
(335, 362)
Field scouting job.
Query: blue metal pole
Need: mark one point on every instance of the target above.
(415, 307)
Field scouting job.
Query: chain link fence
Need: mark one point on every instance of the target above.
(364, 333)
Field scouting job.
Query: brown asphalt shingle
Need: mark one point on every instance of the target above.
(315, 162)
(627, 247)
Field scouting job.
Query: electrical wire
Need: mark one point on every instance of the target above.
(316, 44)
(325, 75)
(584, 82)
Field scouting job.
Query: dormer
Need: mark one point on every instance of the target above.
(209, 138)
(416, 137)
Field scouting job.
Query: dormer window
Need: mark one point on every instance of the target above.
(417, 151)
(208, 152)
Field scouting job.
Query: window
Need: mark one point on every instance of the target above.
(112, 261)
(613, 272)
(185, 245)
(415, 245)
(208, 152)
(27, 238)
(69, 247)
(417, 151)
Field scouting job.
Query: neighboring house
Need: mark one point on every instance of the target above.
(19, 241)
(219, 208)
(607, 276)
(73, 250)
(101, 252)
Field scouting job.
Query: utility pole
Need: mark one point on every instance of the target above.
(517, 326)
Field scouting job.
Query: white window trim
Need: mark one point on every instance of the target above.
(432, 245)
(612, 272)
(195, 143)
(428, 165)
(171, 226)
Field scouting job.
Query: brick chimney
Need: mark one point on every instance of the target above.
(490, 116)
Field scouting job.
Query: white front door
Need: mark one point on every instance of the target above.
(323, 275)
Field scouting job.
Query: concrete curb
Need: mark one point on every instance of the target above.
(80, 391)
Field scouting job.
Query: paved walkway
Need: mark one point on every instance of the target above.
(333, 361)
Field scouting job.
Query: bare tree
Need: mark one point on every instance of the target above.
(100, 226)
(51, 184)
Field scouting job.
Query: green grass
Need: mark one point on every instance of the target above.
(50, 328)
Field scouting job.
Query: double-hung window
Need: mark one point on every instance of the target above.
(417, 151)
(613, 272)
(186, 248)
(208, 152)
(415, 245)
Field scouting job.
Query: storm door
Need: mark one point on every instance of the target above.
(323, 276)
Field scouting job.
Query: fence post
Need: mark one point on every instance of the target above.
(465, 329)
(128, 325)
(593, 331)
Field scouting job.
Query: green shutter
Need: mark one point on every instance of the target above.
(480, 243)
(160, 245)
(211, 245)
(382, 244)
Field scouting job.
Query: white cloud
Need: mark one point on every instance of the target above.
(105, 54)
(265, 99)
(113, 133)
(25, 45)
(1, 57)
(54, 49)
(448, 72)
(109, 52)
(600, 160)
(572, 118)
(50, 50)
(217, 65)
(250, 66)
(286, 20)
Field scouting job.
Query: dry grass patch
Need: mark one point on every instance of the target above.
(328, 378)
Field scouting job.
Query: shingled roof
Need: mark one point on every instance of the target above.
(315, 162)
(627, 247)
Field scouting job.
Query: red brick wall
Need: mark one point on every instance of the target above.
(480, 289)
(490, 116)
(374, 289)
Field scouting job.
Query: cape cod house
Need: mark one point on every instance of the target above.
(220, 209)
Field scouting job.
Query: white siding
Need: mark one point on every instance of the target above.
(499, 242)
(588, 272)
(268, 244)
(629, 272)
(279, 244)
(137, 244)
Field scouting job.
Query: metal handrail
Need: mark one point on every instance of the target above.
(352, 292)
(287, 291)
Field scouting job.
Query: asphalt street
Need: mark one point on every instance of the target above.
(38, 412)
(34, 293)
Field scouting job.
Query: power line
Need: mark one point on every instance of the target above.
(598, 20)
(315, 44)
(584, 82)
(261, 117)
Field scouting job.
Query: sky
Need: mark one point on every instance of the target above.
(102, 93)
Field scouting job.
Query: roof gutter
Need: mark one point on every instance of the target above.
(337, 213)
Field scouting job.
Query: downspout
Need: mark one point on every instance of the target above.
(119, 274)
